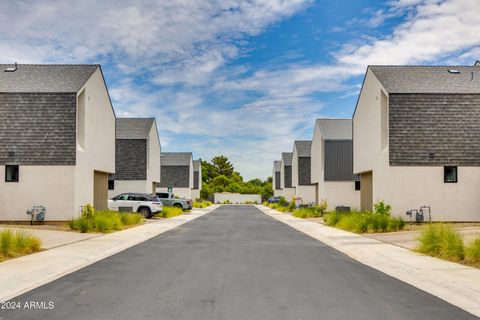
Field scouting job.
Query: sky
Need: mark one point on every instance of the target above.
(238, 78)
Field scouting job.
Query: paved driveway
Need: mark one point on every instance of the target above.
(234, 263)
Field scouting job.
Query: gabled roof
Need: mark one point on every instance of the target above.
(303, 147)
(133, 128)
(196, 165)
(287, 158)
(428, 79)
(276, 165)
(62, 78)
(335, 129)
(176, 158)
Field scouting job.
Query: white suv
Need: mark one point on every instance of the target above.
(146, 204)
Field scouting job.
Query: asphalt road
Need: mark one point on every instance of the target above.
(234, 263)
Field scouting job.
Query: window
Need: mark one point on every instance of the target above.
(121, 197)
(357, 185)
(450, 174)
(111, 184)
(11, 173)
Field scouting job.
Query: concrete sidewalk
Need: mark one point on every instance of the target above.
(23, 274)
(452, 282)
(53, 238)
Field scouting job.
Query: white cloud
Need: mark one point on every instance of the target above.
(183, 48)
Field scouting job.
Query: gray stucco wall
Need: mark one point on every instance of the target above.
(339, 160)
(130, 159)
(39, 128)
(447, 125)
(287, 177)
(175, 176)
(277, 180)
(304, 171)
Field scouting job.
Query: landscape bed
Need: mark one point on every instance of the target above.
(16, 243)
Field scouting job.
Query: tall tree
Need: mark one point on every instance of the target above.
(222, 166)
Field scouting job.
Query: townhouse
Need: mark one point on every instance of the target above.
(137, 157)
(301, 172)
(177, 174)
(286, 176)
(416, 139)
(57, 133)
(332, 164)
(197, 179)
(276, 178)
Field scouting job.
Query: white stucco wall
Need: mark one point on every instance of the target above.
(294, 167)
(48, 186)
(307, 193)
(408, 187)
(98, 152)
(316, 156)
(236, 198)
(153, 156)
(288, 193)
(123, 186)
(339, 193)
(195, 194)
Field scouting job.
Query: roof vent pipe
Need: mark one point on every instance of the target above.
(11, 69)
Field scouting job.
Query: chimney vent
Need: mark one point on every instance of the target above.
(11, 69)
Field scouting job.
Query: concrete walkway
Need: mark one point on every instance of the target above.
(53, 238)
(23, 274)
(452, 282)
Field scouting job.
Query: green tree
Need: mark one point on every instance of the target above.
(222, 166)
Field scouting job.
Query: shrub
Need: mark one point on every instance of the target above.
(442, 240)
(307, 213)
(322, 206)
(382, 208)
(169, 212)
(227, 202)
(291, 206)
(362, 222)
(103, 221)
(472, 251)
(332, 218)
(201, 204)
(282, 202)
(17, 243)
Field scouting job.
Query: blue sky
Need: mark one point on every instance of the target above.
(238, 78)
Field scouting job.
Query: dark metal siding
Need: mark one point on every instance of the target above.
(175, 176)
(277, 180)
(288, 177)
(196, 180)
(304, 171)
(39, 128)
(339, 160)
(445, 125)
(130, 159)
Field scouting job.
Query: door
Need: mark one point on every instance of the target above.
(100, 190)
(366, 191)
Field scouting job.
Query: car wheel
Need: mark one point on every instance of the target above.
(144, 211)
(178, 205)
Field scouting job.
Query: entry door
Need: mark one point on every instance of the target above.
(100, 190)
(366, 191)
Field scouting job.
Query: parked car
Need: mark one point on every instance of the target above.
(146, 204)
(169, 200)
(274, 199)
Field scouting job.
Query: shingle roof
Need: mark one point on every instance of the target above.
(276, 165)
(428, 79)
(45, 78)
(133, 128)
(335, 129)
(196, 165)
(287, 158)
(303, 147)
(176, 158)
